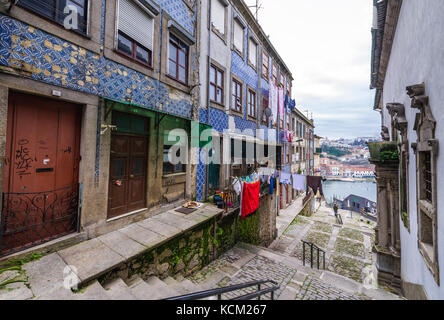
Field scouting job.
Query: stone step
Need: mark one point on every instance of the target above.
(142, 290)
(162, 289)
(117, 289)
(182, 287)
(93, 292)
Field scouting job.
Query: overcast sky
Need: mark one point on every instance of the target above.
(327, 46)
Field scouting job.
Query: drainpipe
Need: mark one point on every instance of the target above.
(208, 89)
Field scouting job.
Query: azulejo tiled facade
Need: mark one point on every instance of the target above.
(44, 57)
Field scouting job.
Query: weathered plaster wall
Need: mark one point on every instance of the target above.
(417, 57)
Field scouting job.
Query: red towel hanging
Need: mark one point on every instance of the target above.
(250, 198)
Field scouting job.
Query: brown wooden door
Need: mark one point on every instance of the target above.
(128, 174)
(42, 170)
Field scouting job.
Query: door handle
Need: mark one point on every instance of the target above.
(132, 176)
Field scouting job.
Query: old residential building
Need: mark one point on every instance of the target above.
(238, 66)
(86, 112)
(407, 73)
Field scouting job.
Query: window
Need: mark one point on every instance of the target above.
(135, 32)
(292, 124)
(427, 175)
(264, 107)
(236, 103)
(216, 85)
(218, 15)
(238, 36)
(275, 74)
(282, 80)
(288, 123)
(251, 103)
(252, 52)
(178, 60)
(168, 167)
(54, 11)
(265, 65)
(426, 149)
(133, 50)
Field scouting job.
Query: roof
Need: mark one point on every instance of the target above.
(383, 36)
(243, 7)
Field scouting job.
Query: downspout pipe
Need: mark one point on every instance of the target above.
(208, 89)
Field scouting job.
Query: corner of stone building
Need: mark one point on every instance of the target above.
(413, 291)
(3, 129)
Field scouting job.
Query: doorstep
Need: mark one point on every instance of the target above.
(93, 258)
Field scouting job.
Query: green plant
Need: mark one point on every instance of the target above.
(388, 155)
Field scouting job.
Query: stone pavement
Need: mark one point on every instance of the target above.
(51, 275)
(350, 273)
(46, 278)
(286, 217)
(348, 247)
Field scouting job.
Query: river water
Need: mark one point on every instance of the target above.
(342, 189)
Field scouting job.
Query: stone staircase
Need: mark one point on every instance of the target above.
(134, 289)
(241, 264)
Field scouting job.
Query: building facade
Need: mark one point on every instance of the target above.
(407, 73)
(96, 97)
(238, 66)
(89, 108)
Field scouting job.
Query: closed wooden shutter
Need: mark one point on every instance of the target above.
(252, 55)
(218, 15)
(136, 23)
(238, 36)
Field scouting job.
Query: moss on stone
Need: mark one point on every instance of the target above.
(350, 247)
(347, 267)
(351, 234)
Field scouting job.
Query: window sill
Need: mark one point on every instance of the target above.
(427, 252)
(427, 207)
(131, 59)
(222, 36)
(165, 78)
(240, 53)
(173, 175)
(252, 66)
(237, 113)
(217, 105)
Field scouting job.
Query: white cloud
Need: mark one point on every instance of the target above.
(327, 46)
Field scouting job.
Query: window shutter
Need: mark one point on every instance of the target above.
(218, 15)
(136, 23)
(238, 36)
(252, 55)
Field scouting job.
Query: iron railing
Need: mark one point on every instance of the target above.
(261, 291)
(30, 219)
(313, 247)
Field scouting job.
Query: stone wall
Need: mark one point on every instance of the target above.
(196, 248)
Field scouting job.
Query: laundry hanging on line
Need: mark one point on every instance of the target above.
(285, 177)
(315, 183)
(299, 182)
(250, 198)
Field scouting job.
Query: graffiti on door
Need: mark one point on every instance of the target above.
(23, 160)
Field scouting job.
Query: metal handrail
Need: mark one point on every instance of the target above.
(219, 291)
(313, 246)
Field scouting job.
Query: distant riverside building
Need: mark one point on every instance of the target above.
(408, 75)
